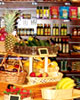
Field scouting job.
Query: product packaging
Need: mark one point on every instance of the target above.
(54, 11)
(64, 12)
(73, 12)
(78, 12)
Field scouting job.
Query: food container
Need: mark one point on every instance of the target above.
(51, 93)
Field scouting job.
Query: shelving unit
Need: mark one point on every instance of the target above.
(31, 6)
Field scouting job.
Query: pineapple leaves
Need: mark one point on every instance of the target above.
(10, 18)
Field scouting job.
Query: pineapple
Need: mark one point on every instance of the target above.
(10, 39)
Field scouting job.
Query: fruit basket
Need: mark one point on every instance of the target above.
(16, 76)
(63, 90)
(52, 94)
(39, 80)
(34, 49)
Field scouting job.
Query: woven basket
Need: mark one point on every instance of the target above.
(51, 93)
(39, 80)
(13, 77)
(2, 46)
(34, 49)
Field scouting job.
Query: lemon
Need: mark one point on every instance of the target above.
(54, 64)
(26, 63)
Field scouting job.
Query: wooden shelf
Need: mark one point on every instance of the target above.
(75, 54)
(64, 55)
(24, 55)
(71, 72)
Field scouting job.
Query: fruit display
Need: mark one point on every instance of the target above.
(66, 83)
(13, 90)
(62, 91)
(32, 44)
(38, 74)
(10, 39)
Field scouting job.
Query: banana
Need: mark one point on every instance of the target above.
(70, 86)
(62, 82)
(67, 84)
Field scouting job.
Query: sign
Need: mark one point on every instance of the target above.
(43, 51)
(14, 97)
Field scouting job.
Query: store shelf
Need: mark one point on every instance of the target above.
(24, 55)
(64, 55)
(71, 72)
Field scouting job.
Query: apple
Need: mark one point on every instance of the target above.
(17, 66)
(44, 74)
(38, 74)
(33, 74)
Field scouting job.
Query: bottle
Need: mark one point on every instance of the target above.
(38, 29)
(47, 12)
(24, 32)
(60, 45)
(62, 29)
(54, 29)
(18, 32)
(74, 31)
(41, 12)
(65, 29)
(57, 29)
(49, 30)
(79, 31)
(37, 12)
(45, 29)
(63, 46)
(67, 46)
(57, 42)
(41, 30)
(44, 12)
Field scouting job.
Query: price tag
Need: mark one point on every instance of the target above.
(14, 97)
(43, 51)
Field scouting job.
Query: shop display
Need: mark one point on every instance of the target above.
(64, 87)
(10, 39)
(43, 12)
(44, 30)
(25, 32)
(16, 93)
(32, 46)
(12, 73)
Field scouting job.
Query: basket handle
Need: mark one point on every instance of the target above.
(20, 63)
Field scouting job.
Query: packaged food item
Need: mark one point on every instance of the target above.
(73, 12)
(54, 11)
(64, 12)
(78, 12)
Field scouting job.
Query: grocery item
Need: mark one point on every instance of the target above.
(54, 11)
(78, 12)
(73, 12)
(64, 12)
(10, 39)
(65, 83)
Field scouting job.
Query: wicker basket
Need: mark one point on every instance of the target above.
(2, 46)
(51, 93)
(39, 80)
(34, 49)
(13, 77)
